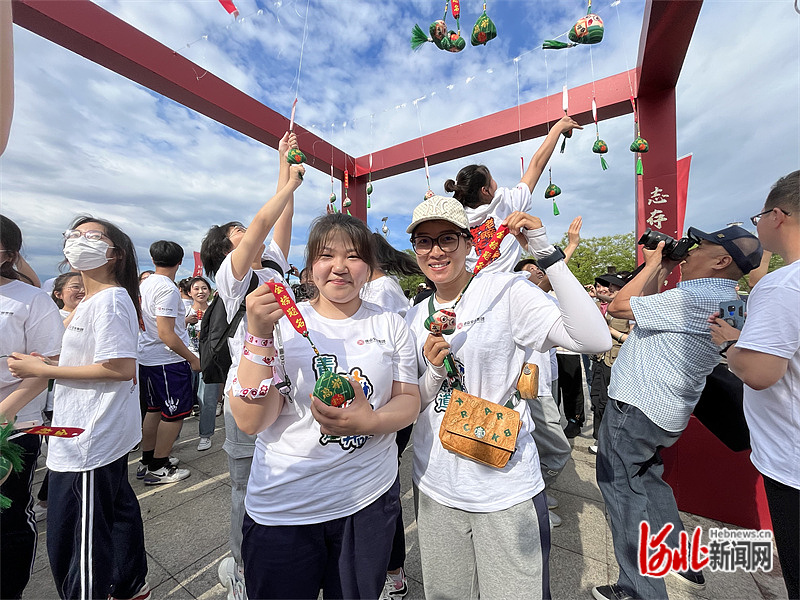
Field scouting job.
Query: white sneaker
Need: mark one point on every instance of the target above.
(555, 520)
(219, 408)
(552, 502)
(165, 475)
(141, 468)
(396, 586)
(232, 577)
(204, 443)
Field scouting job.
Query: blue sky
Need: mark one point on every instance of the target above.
(85, 140)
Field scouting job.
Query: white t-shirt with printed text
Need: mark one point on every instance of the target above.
(386, 292)
(103, 327)
(160, 298)
(486, 219)
(773, 414)
(500, 318)
(29, 322)
(300, 476)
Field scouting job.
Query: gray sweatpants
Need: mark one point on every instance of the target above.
(502, 555)
(552, 444)
(240, 448)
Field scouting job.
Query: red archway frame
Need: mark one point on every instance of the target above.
(86, 29)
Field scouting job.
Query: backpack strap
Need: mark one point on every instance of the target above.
(266, 263)
(237, 318)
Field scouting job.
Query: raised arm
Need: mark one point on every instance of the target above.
(282, 234)
(249, 248)
(542, 156)
(645, 283)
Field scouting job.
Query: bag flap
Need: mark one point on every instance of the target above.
(478, 419)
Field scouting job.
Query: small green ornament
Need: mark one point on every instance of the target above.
(429, 194)
(369, 188)
(640, 145)
(332, 199)
(295, 157)
(453, 42)
(438, 31)
(484, 30)
(333, 389)
(347, 202)
(441, 322)
(588, 30)
(552, 191)
(556, 212)
(600, 147)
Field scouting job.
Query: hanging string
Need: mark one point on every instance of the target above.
(519, 123)
(300, 66)
(424, 155)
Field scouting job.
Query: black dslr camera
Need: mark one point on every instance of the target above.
(673, 249)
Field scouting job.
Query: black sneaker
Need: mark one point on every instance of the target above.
(610, 592)
(573, 429)
(691, 580)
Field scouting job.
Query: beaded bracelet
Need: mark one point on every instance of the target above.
(257, 358)
(257, 341)
(256, 392)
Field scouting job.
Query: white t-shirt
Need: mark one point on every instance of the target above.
(103, 327)
(773, 414)
(386, 292)
(160, 298)
(29, 322)
(300, 476)
(484, 221)
(233, 291)
(500, 317)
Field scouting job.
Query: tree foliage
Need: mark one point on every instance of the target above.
(410, 282)
(595, 254)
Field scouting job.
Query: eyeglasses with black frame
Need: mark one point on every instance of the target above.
(448, 242)
(756, 218)
(92, 235)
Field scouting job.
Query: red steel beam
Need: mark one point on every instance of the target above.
(503, 128)
(86, 29)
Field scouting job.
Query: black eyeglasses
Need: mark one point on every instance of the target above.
(448, 242)
(756, 218)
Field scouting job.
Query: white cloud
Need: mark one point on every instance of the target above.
(86, 140)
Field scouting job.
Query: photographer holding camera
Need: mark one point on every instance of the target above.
(656, 381)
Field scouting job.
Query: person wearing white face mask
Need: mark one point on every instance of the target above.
(95, 537)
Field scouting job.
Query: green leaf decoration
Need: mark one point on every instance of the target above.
(587, 30)
(603, 163)
(556, 45)
(483, 31)
(295, 157)
(640, 145)
(333, 389)
(552, 191)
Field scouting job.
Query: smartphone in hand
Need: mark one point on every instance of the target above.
(732, 312)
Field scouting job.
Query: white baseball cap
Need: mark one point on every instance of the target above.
(439, 208)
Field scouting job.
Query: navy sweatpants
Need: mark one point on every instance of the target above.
(346, 557)
(95, 537)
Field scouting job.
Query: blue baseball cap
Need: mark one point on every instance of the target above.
(743, 246)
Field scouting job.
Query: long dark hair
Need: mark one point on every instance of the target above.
(126, 268)
(391, 260)
(468, 184)
(11, 239)
(59, 284)
(323, 228)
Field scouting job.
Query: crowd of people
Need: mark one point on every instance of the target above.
(323, 390)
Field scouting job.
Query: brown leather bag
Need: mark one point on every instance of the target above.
(528, 383)
(483, 431)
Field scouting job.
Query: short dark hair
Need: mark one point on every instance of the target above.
(11, 238)
(524, 262)
(785, 194)
(323, 228)
(216, 246)
(166, 254)
(184, 285)
(468, 184)
(194, 280)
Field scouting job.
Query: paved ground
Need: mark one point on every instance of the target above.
(187, 526)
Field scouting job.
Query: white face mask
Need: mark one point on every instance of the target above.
(85, 255)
